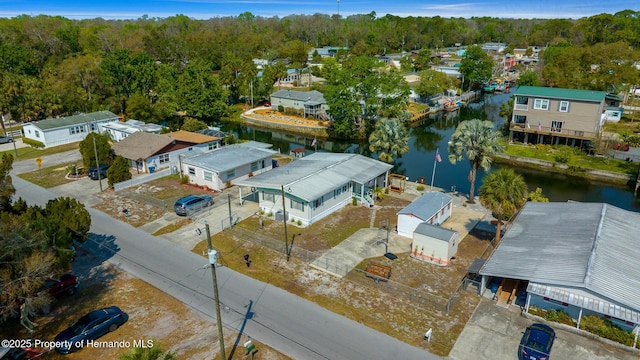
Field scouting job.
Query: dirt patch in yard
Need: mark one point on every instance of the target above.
(153, 315)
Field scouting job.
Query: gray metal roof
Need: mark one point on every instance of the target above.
(228, 157)
(592, 246)
(314, 95)
(54, 123)
(426, 205)
(434, 231)
(314, 175)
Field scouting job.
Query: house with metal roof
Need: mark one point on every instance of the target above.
(308, 103)
(433, 207)
(152, 152)
(318, 184)
(68, 129)
(223, 167)
(581, 258)
(545, 115)
(120, 130)
(434, 244)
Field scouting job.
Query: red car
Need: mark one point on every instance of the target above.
(66, 285)
(620, 147)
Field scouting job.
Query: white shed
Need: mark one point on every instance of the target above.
(434, 244)
(433, 207)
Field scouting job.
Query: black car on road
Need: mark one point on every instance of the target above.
(192, 203)
(90, 327)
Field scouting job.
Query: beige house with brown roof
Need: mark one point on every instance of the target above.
(152, 152)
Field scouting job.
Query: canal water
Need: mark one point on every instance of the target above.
(433, 135)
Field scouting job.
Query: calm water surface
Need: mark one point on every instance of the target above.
(433, 135)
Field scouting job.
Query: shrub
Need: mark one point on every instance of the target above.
(184, 179)
(227, 184)
(281, 108)
(299, 223)
(420, 187)
(270, 213)
(564, 155)
(606, 329)
(33, 143)
(354, 201)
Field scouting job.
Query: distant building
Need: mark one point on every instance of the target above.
(309, 103)
(120, 130)
(68, 129)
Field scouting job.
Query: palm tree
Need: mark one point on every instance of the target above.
(503, 192)
(477, 141)
(152, 353)
(391, 138)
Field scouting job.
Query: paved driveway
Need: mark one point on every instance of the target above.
(495, 333)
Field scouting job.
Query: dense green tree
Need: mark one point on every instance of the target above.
(503, 192)
(102, 146)
(475, 140)
(537, 196)
(528, 78)
(476, 66)
(7, 190)
(193, 125)
(432, 83)
(200, 94)
(119, 171)
(390, 138)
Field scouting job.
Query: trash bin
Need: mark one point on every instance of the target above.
(152, 169)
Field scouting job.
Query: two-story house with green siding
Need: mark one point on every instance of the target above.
(544, 115)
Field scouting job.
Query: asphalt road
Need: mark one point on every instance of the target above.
(289, 324)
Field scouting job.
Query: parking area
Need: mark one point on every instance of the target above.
(494, 332)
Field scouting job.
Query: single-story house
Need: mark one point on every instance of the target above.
(433, 207)
(318, 184)
(581, 258)
(222, 167)
(308, 103)
(434, 244)
(120, 130)
(151, 152)
(68, 129)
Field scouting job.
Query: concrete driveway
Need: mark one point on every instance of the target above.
(494, 332)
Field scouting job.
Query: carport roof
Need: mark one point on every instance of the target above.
(314, 175)
(590, 246)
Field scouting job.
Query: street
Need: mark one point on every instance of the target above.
(289, 324)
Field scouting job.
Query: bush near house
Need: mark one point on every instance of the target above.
(34, 143)
(606, 329)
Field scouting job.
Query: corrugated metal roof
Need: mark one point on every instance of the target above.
(557, 93)
(585, 300)
(433, 231)
(314, 175)
(140, 145)
(48, 124)
(228, 157)
(426, 205)
(592, 246)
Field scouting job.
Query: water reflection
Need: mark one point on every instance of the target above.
(434, 133)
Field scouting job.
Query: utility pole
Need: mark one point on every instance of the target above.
(284, 222)
(95, 150)
(230, 216)
(213, 259)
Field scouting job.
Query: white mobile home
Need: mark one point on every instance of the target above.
(69, 129)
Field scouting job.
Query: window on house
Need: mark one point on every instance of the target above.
(208, 176)
(72, 130)
(564, 106)
(268, 197)
(231, 174)
(556, 126)
(164, 158)
(213, 145)
(254, 166)
(191, 170)
(541, 104)
(92, 127)
(317, 203)
(37, 133)
(297, 205)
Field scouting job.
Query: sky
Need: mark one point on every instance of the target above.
(205, 9)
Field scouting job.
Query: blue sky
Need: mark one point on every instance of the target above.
(204, 9)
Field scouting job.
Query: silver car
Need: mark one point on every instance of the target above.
(5, 140)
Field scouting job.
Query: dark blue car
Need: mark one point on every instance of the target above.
(90, 327)
(536, 342)
(99, 172)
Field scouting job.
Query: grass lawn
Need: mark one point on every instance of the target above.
(550, 153)
(50, 176)
(32, 153)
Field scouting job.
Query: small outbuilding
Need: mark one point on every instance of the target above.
(434, 244)
(433, 208)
